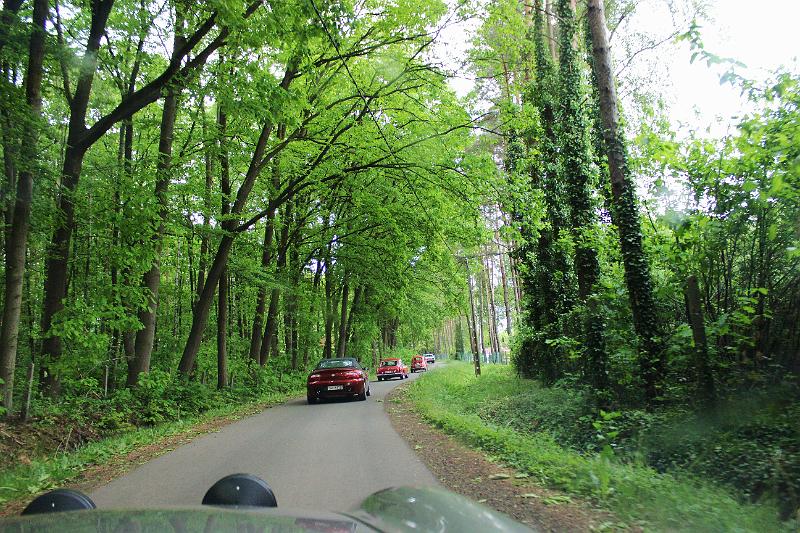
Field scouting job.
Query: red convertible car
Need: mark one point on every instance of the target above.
(337, 378)
(392, 368)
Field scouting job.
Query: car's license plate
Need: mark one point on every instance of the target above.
(335, 387)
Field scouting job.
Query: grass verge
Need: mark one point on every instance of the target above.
(639, 495)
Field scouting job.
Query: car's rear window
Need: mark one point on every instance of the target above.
(388, 363)
(336, 363)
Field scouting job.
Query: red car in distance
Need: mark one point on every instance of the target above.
(392, 368)
(418, 364)
(337, 378)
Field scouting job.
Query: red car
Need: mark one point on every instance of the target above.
(392, 368)
(337, 378)
(418, 364)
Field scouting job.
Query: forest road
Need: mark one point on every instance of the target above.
(325, 456)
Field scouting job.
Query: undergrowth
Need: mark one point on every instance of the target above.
(553, 436)
(126, 419)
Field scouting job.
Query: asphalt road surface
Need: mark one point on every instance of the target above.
(325, 456)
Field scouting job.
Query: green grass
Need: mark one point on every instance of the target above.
(25, 481)
(451, 399)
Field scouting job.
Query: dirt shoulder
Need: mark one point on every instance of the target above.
(470, 473)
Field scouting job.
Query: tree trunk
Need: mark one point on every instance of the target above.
(492, 309)
(261, 300)
(704, 377)
(200, 314)
(7, 16)
(476, 359)
(152, 278)
(57, 263)
(357, 296)
(577, 163)
(504, 281)
(327, 350)
(626, 212)
(222, 331)
(222, 296)
(204, 235)
(17, 243)
(271, 328)
(341, 346)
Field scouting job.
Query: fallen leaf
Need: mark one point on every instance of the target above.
(556, 500)
(521, 476)
(529, 495)
(499, 476)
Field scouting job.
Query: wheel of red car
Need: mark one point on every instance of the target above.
(311, 399)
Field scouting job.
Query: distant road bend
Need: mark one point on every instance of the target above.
(325, 456)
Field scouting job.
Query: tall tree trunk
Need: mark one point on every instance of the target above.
(7, 16)
(271, 328)
(292, 295)
(17, 243)
(578, 174)
(208, 157)
(341, 346)
(476, 358)
(152, 278)
(348, 332)
(503, 280)
(222, 331)
(200, 314)
(222, 296)
(492, 309)
(57, 263)
(327, 350)
(261, 299)
(625, 212)
(704, 378)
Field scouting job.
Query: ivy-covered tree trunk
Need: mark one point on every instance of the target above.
(17, 243)
(580, 180)
(625, 212)
(547, 271)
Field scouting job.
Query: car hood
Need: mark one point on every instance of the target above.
(400, 510)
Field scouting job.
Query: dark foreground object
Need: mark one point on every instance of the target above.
(403, 509)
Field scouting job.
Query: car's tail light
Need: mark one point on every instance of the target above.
(314, 376)
(351, 375)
